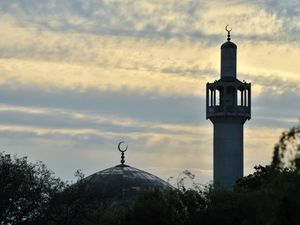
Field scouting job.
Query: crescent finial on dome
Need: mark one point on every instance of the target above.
(122, 152)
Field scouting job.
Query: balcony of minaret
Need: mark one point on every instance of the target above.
(225, 98)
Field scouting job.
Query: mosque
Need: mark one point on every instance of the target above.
(228, 106)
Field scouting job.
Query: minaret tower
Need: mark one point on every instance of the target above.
(228, 106)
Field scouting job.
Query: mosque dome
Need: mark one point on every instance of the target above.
(123, 181)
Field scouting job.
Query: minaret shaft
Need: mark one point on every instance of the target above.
(228, 151)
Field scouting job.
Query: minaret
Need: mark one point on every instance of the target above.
(228, 106)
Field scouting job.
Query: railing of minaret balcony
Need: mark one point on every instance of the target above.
(224, 98)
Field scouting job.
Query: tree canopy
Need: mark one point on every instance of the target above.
(25, 190)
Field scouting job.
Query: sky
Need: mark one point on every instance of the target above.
(77, 77)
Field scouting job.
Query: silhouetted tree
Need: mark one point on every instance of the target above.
(25, 190)
(75, 205)
(287, 151)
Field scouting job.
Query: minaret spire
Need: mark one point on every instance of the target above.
(228, 29)
(228, 57)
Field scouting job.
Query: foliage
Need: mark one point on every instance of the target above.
(287, 151)
(25, 190)
(74, 206)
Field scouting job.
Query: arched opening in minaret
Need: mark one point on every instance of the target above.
(246, 97)
(243, 97)
(210, 98)
(239, 97)
(213, 97)
(218, 97)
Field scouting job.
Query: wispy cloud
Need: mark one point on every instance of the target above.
(78, 76)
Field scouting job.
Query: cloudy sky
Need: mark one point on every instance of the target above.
(77, 77)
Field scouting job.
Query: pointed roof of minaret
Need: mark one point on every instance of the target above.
(228, 43)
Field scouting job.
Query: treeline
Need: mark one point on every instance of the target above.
(31, 195)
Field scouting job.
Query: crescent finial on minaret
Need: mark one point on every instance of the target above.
(228, 29)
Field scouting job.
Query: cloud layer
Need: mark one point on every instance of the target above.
(79, 76)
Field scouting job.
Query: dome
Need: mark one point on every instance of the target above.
(123, 181)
